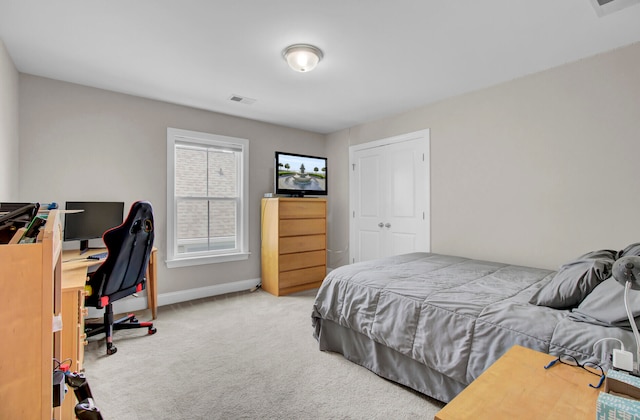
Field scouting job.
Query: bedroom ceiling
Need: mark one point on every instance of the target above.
(381, 58)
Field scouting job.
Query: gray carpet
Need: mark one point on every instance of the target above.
(239, 356)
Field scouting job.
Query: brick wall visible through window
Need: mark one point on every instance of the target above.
(217, 179)
(209, 174)
(207, 180)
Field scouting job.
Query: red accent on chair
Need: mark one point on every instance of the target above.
(104, 301)
(139, 288)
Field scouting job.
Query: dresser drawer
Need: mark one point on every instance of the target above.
(299, 260)
(293, 244)
(294, 227)
(303, 276)
(303, 209)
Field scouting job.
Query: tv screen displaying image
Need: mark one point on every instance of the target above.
(300, 175)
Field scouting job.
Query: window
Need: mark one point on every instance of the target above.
(207, 187)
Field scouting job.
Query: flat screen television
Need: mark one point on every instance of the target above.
(299, 175)
(97, 218)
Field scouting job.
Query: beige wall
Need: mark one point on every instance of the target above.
(337, 153)
(534, 171)
(8, 127)
(81, 143)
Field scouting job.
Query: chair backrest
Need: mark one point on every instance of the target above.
(129, 247)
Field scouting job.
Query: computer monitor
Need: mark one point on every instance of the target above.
(97, 218)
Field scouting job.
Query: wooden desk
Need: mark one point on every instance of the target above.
(518, 387)
(74, 272)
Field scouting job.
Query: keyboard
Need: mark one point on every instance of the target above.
(100, 256)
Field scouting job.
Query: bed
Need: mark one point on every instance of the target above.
(435, 322)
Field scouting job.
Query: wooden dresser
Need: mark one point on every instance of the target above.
(294, 244)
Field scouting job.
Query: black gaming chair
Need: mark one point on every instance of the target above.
(122, 273)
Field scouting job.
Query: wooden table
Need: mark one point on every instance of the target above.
(517, 386)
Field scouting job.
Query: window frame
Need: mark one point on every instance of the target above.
(174, 259)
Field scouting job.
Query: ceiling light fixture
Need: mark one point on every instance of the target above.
(302, 57)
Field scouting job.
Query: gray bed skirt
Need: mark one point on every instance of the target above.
(385, 361)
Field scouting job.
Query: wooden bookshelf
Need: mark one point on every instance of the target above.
(30, 299)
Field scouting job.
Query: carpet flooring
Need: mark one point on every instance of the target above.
(245, 355)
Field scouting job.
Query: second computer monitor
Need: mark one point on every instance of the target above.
(97, 217)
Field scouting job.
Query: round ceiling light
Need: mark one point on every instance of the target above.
(302, 57)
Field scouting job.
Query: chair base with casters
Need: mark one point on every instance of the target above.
(127, 322)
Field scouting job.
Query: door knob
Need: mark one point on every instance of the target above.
(380, 224)
(387, 225)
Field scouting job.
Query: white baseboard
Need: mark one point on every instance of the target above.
(132, 303)
(203, 292)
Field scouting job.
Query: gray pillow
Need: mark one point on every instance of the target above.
(633, 249)
(605, 306)
(575, 280)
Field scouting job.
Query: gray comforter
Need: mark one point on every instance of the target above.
(454, 315)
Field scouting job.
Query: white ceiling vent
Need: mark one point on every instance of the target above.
(605, 7)
(241, 99)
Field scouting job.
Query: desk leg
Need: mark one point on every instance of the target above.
(152, 292)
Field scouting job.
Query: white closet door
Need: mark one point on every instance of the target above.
(390, 197)
(370, 204)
